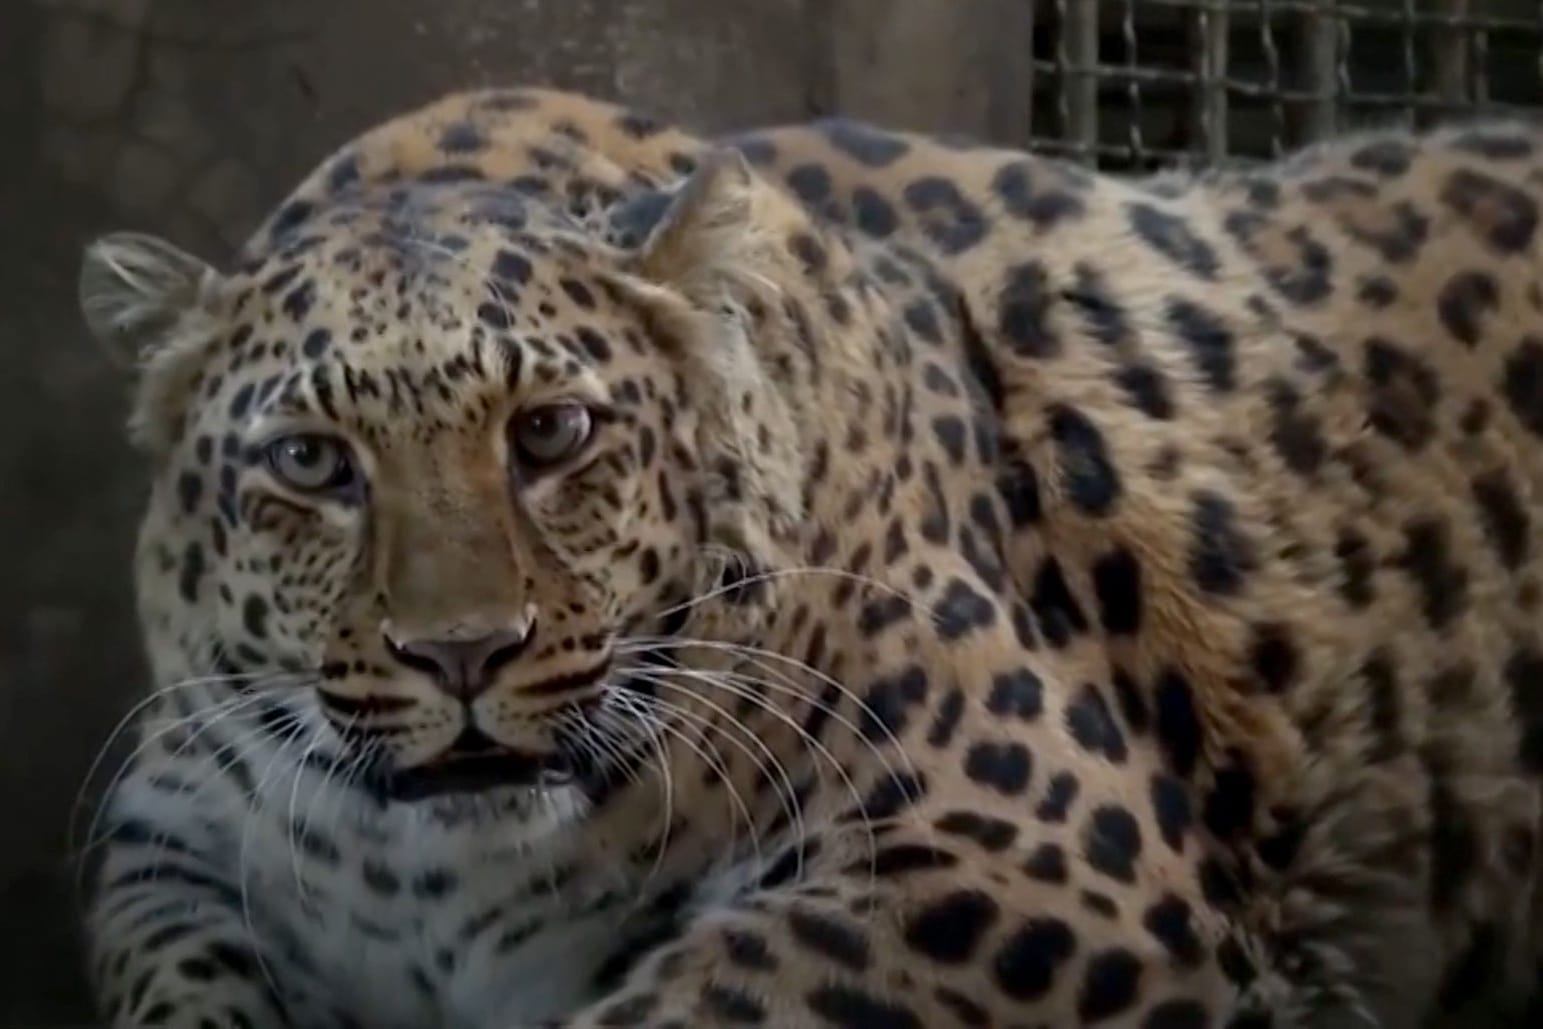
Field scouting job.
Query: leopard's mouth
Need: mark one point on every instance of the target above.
(475, 763)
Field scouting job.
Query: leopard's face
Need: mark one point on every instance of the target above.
(437, 475)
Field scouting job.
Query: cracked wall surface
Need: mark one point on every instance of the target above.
(188, 118)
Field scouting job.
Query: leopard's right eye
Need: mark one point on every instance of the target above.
(311, 463)
(550, 434)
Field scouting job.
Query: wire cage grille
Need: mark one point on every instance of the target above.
(1138, 84)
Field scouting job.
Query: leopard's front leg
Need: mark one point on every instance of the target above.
(168, 940)
(959, 926)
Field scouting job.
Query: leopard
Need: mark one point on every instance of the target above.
(599, 573)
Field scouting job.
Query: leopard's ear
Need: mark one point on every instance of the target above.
(703, 259)
(134, 288)
(713, 231)
(141, 298)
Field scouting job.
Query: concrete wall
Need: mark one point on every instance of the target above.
(187, 118)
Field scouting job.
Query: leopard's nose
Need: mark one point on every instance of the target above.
(464, 668)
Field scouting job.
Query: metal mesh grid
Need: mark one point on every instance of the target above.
(1138, 84)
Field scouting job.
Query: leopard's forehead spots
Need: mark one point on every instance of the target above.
(416, 302)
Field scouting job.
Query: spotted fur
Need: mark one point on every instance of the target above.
(992, 593)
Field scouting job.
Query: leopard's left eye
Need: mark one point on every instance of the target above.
(550, 434)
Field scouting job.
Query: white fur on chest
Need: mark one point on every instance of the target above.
(500, 944)
(396, 916)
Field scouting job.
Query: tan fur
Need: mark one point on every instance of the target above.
(1298, 408)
